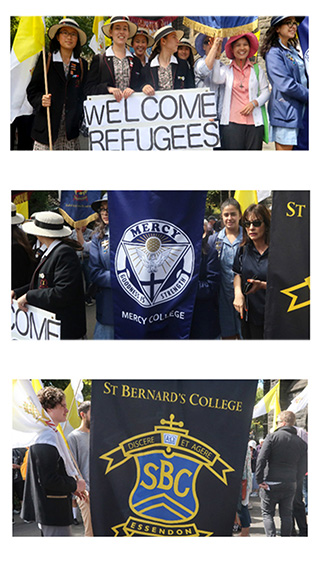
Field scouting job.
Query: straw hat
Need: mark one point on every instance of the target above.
(143, 32)
(114, 19)
(47, 223)
(186, 42)
(72, 24)
(164, 31)
(16, 218)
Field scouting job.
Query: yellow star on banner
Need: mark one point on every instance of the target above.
(294, 296)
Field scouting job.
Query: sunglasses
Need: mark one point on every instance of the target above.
(247, 223)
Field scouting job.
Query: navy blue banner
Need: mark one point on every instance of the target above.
(167, 456)
(155, 249)
(222, 25)
(75, 206)
(303, 34)
(287, 311)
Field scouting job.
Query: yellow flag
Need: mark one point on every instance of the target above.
(271, 401)
(246, 197)
(28, 43)
(22, 203)
(29, 38)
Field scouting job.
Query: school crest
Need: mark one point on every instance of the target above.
(164, 499)
(154, 262)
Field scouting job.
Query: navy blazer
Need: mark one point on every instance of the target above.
(47, 495)
(100, 275)
(288, 95)
(182, 75)
(66, 91)
(57, 286)
(101, 74)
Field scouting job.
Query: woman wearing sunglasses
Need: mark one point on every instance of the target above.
(250, 268)
(287, 76)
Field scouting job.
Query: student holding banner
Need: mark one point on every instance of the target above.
(66, 74)
(251, 268)
(117, 71)
(246, 91)
(56, 284)
(99, 265)
(287, 75)
(164, 71)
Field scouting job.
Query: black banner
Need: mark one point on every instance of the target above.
(287, 314)
(167, 456)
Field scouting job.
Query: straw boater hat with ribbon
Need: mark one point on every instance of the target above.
(16, 218)
(48, 224)
(252, 39)
(186, 42)
(114, 19)
(70, 23)
(95, 205)
(142, 32)
(164, 31)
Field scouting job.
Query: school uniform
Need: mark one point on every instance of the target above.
(48, 488)
(100, 273)
(56, 285)
(102, 73)
(67, 94)
(182, 76)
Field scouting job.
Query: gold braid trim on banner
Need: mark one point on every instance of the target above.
(220, 32)
(78, 223)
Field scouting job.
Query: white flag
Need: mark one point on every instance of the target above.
(300, 401)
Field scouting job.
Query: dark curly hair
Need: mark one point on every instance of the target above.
(272, 39)
(50, 397)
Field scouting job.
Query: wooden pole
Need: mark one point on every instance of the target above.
(46, 90)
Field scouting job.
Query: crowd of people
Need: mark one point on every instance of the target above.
(138, 61)
(60, 270)
(48, 489)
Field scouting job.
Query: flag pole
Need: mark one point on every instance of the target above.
(46, 90)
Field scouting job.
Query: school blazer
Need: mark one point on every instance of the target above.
(56, 285)
(101, 74)
(66, 91)
(182, 75)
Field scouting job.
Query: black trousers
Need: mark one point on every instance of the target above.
(237, 136)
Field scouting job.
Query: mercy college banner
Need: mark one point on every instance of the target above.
(167, 456)
(155, 247)
(287, 312)
(168, 120)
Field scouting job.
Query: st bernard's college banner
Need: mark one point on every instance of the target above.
(155, 248)
(167, 456)
(287, 312)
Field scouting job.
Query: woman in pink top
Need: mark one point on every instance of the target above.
(246, 90)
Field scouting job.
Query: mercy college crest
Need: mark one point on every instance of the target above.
(154, 262)
(164, 498)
